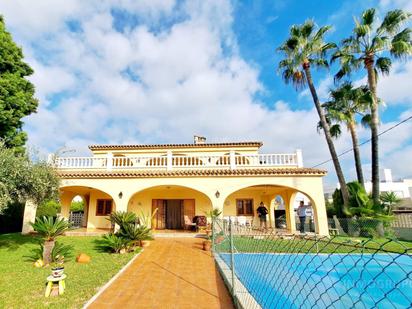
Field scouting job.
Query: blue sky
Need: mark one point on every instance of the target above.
(160, 71)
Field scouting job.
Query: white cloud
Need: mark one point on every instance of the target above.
(148, 85)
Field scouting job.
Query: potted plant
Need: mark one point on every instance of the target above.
(207, 244)
(58, 267)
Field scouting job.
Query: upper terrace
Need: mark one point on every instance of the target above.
(179, 156)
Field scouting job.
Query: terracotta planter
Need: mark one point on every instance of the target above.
(219, 239)
(207, 244)
(145, 243)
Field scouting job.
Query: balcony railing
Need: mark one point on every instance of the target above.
(170, 161)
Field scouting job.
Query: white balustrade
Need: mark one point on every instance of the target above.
(170, 161)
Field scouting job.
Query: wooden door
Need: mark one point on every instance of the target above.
(189, 209)
(160, 218)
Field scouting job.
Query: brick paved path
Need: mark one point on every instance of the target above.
(170, 273)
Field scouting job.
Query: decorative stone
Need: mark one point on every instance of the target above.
(83, 258)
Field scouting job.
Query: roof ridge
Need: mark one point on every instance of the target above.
(188, 145)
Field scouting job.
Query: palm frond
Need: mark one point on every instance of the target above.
(335, 130)
(401, 45)
(366, 120)
(307, 28)
(383, 65)
(393, 21)
(368, 17)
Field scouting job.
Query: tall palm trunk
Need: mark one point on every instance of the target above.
(328, 136)
(356, 152)
(369, 61)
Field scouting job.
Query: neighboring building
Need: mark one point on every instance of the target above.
(185, 180)
(402, 188)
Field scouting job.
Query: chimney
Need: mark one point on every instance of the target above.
(199, 139)
(387, 173)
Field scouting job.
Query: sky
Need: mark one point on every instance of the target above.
(160, 71)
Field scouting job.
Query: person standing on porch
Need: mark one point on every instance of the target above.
(302, 216)
(262, 213)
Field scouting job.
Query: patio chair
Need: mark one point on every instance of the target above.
(241, 220)
(189, 224)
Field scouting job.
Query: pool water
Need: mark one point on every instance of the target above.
(326, 281)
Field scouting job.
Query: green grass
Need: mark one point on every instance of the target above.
(297, 245)
(22, 285)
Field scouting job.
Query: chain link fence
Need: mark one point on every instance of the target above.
(265, 269)
(399, 227)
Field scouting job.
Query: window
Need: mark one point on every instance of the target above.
(244, 207)
(104, 207)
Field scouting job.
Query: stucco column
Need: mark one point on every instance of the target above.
(30, 209)
(290, 211)
(320, 216)
(65, 203)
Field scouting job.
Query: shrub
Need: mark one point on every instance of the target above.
(136, 233)
(122, 218)
(49, 228)
(48, 209)
(113, 243)
(77, 206)
(11, 218)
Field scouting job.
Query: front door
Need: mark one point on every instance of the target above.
(170, 213)
(174, 214)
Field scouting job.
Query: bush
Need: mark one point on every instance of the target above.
(48, 209)
(77, 206)
(11, 218)
(113, 243)
(136, 233)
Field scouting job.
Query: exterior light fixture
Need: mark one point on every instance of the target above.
(217, 194)
(120, 194)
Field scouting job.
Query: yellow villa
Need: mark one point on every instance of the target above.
(186, 180)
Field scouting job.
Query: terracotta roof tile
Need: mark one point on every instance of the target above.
(194, 173)
(161, 146)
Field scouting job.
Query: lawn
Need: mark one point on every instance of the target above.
(22, 285)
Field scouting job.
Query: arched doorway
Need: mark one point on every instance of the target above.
(98, 205)
(281, 202)
(172, 207)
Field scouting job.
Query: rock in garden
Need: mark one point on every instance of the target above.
(83, 258)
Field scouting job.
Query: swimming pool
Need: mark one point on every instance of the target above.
(326, 281)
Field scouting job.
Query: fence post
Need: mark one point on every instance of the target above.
(232, 257)
(213, 235)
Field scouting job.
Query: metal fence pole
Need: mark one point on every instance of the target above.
(232, 256)
(213, 235)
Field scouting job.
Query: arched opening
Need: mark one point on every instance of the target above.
(281, 202)
(78, 211)
(98, 205)
(173, 207)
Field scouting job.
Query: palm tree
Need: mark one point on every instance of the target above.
(389, 199)
(303, 49)
(371, 45)
(346, 102)
(49, 228)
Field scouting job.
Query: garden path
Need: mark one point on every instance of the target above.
(170, 273)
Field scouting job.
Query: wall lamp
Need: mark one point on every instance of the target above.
(120, 194)
(217, 194)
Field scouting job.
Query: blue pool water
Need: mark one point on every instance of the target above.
(326, 281)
